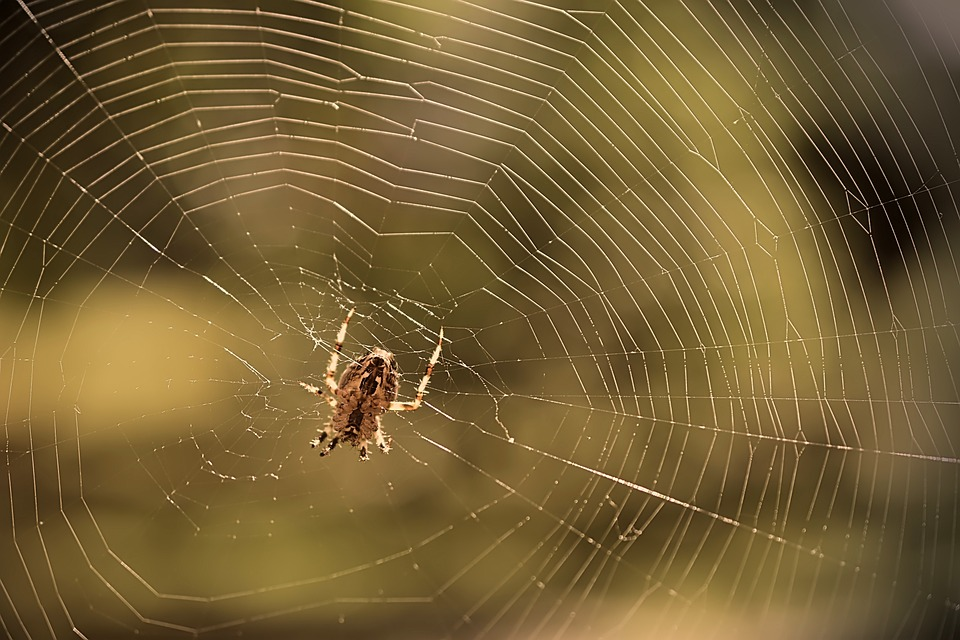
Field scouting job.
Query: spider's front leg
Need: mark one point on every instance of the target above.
(413, 406)
(329, 379)
(335, 354)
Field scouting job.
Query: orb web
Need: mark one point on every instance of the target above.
(693, 263)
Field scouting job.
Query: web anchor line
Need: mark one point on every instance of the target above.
(655, 494)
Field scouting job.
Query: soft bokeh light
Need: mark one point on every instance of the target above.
(693, 263)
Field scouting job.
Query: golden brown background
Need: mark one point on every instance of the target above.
(694, 265)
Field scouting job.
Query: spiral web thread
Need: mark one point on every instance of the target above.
(693, 263)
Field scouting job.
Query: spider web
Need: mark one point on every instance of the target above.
(694, 266)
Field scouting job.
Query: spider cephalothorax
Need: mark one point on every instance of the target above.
(367, 389)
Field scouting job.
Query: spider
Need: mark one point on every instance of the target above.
(368, 388)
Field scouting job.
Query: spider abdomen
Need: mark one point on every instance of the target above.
(366, 389)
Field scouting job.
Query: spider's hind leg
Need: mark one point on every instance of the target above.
(333, 443)
(383, 441)
(326, 432)
(323, 434)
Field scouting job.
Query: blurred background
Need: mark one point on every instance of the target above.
(694, 263)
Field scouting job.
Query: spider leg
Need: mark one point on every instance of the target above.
(364, 455)
(411, 406)
(335, 355)
(318, 391)
(330, 447)
(383, 440)
(323, 434)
